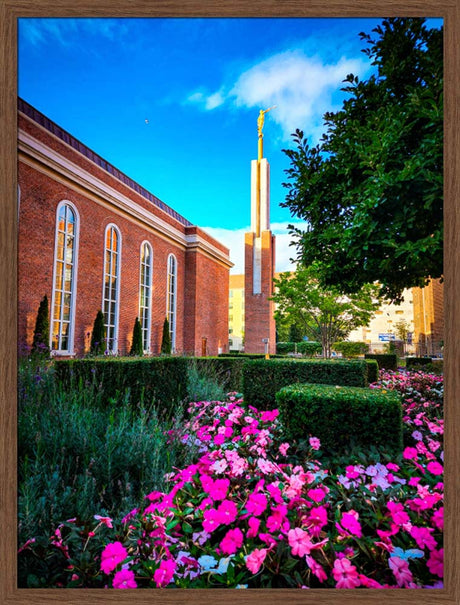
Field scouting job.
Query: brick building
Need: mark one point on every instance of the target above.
(91, 238)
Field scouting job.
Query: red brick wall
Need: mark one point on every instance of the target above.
(259, 310)
(429, 317)
(202, 296)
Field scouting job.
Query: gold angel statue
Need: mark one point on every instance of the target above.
(261, 118)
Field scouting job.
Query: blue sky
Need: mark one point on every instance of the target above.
(173, 103)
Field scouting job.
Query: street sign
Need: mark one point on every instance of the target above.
(387, 337)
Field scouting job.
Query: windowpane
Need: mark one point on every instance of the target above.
(111, 277)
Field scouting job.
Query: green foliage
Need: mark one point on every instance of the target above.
(97, 346)
(372, 370)
(295, 333)
(42, 329)
(322, 312)
(166, 338)
(386, 361)
(161, 380)
(415, 363)
(81, 453)
(355, 416)
(350, 349)
(306, 347)
(262, 379)
(136, 346)
(372, 190)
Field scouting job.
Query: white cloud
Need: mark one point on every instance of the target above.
(301, 87)
(234, 240)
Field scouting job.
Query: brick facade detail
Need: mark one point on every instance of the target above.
(51, 171)
(429, 318)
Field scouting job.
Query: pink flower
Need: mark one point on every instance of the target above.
(269, 416)
(255, 559)
(397, 513)
(256, 504)
(211, 520)
(232, 540)
(410, 453)
(283, 448)
(316, 568)
(299, 541)
(277, 518)
(124, 579)
(219, 488)
(316, 494)
(350, 524)
(164, 574)
(400, 569)
(317, 519)
(315, 443)
(423, 537)
(435, 468)
(227, 512)
(254, 524)
(219, 439)
(113, 554)
(105, 520)
(436, 562)
(345, 574)
(438, 518)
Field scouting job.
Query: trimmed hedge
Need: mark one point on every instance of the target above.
(372, 370)
(227, 369)
(159, 379)
(342, 417)
(350, 348)
(305, 347)
(386, 361)
(413, 362)
(262, 379)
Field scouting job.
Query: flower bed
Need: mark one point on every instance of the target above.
(255, 511)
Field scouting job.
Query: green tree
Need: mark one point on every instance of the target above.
(372, 190)
(322, 311)
(402, 329)
(166, 338)
(295, 333)
(40, 343)
(97, 345)
(137, 346)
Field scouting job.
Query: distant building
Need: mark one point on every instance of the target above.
(91, 238)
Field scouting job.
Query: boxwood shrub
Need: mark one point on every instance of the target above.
(159, 379)
(372, 370)
(387, 361)
(417, 362)
(342, 417)
(306, 347)
(262, 379)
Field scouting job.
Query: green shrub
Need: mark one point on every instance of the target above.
(342, 417)
(162, 380)
(305, 347)
(417, 362)
(97, 345)
(40, 343)
(435, 367)
(372, 370)
(137, 346)
(166, 338)
(262, 379)
(350, 349)
(387, 361)
(227, 370)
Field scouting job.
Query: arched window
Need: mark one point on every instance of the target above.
(145, 295)
(64, 279)
(171, 299)
(111, 294)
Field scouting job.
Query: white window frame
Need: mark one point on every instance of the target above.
(73, 284)
(113, 349)
(171, 313)
(146, 330)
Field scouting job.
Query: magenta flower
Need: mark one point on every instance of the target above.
(410, 453)
(113, 554)
(316, 520)
(435, 468)
(316, 568)
(345, 574)
(164, 574)
(219, 488)
(105, 520)
(124, 579)
(400, 569)
(423, 537)
(438, 518)
(283, 448)
(436, 562)
(256, 504)
(211, 520)
(350, 524)
(315, 443)
(254, 524)
(316, 494)
(255, 559)
(397, 513)
(227, 512)
(232, 541)
(299, 541)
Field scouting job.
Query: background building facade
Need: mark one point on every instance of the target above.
(91, 238)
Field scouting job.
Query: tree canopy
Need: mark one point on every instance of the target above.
(324, 314)
(372, 190)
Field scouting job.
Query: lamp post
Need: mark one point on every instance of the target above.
(266, 341)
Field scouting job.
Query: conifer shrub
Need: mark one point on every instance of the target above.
(386, 361)
(342, 417)
(136, 346)
(262, 379)
(97, 345)
(166, 338)
(42, 329)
